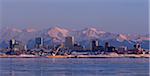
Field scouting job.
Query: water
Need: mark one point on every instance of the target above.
(74, 67)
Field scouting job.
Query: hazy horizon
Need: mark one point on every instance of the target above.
(117, 16)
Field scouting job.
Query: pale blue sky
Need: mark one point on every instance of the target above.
(118, 16)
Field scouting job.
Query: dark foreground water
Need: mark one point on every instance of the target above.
(74, 67)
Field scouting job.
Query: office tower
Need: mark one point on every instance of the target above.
(137, 46)
(12, 43)
(25, 47)
(39, 42)
(69, 42)
(95, 44)
(106, 46)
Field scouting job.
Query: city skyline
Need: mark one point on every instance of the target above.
(74, 37)
(58, 35)
(124, 15)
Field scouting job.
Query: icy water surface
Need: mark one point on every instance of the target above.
(74, 67)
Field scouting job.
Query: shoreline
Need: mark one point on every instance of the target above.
(81, 56)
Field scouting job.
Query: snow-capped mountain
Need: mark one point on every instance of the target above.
(18, 34)
(58, 34)
(122, 37)
(92, 32)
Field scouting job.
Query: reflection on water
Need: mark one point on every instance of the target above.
(74, 67)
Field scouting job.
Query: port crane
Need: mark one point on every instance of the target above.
(57, 50)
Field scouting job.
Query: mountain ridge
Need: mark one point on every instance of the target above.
(58, 34)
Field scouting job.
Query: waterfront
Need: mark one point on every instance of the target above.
(74, 67)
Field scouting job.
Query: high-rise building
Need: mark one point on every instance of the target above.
(16, 46)
(106, 46)
(137, 46)
(69, 42)
(12, 43)
(95, 44)
(39, 42)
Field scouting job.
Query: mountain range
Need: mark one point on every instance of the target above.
(57, 35)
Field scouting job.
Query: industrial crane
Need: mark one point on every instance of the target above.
(57, 50)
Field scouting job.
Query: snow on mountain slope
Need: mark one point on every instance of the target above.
(58, 34)
(92, 32)
(7, 33)
(30, 30)
(122, 37)
(18, 34)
